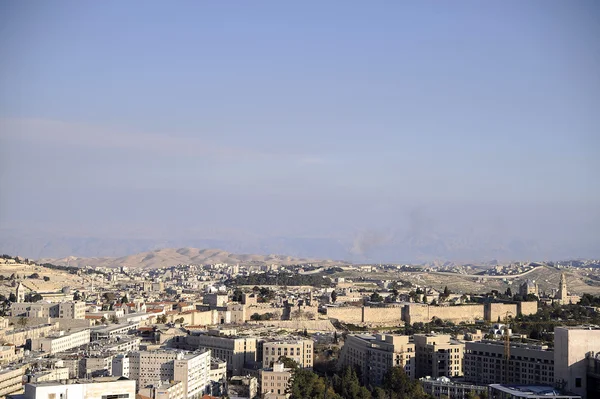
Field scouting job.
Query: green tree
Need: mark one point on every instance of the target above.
(307, 385)
(124, 299)
(333, 296)
(398, 385)
(375, 297)
(12, 297)
(114, 319)
(238, 295)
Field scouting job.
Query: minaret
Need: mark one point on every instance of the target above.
(562, 290)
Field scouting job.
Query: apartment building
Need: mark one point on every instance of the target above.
(438, 356)
(484, 363)
(376, 354)
(155, 367)
(301, 351)
(82, 390)
(62, 310)
(235, 350)
(11, 380)
(19, 336)
(274, 381)
(61, 341)
(8, 354)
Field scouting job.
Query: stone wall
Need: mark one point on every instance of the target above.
(493, 311)
(527, 308)
(380, 316)
(350, 314)
(414, 313)
(199, 318)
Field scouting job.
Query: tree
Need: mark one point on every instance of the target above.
(333, 296)
(508, 292)
(103, 320)
(12, 297)
(179, 320)
(77, 296)
(238, 295)
(288, 363)
(375, 297)
(34, 275)
(46, 278)
(124, 299)
(33, 297)
(398, 385)
(109, 296)
(424, 298)
(114, 319)
(307, 385)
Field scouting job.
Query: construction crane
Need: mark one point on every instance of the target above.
(506, 347)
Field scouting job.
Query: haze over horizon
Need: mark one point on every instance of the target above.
(363, 132)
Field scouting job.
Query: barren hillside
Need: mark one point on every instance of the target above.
(173, 256)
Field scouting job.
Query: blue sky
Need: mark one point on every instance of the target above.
(337, 120)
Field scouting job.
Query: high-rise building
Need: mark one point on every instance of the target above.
(152, 368)
(485, 363)
(376, 354)
(438, 356)
(235, 350)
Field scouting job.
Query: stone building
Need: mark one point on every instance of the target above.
(438, 356)
(376, 354)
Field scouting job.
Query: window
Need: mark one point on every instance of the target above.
(578, 382)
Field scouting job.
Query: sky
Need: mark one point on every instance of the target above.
(396, 130)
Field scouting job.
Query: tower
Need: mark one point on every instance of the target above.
(562, 290)
(20, 293)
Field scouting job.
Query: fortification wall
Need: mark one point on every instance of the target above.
(391, 315)
(527, 308)
(348, 314)
(415, 313)
(493, 311)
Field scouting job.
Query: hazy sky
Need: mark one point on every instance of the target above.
(333, 119)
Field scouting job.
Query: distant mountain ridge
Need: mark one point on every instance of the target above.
(166, 257)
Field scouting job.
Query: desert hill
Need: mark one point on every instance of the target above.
(173, 256)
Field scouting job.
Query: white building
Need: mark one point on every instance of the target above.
(61, 310)
(118, 388)
(156, 367)
(61, 341)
